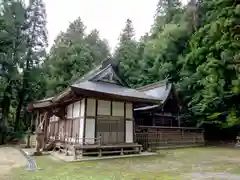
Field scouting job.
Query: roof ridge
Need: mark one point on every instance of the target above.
(152, 85)
(88, 74)
(115, 74)
(86, 77)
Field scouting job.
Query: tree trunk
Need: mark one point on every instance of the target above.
(5, 104)
(2, 136)
(21, 95)
(18, 112)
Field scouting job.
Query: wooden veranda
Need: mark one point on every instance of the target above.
(165, 136)
(72, 146)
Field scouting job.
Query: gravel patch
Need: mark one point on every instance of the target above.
(10, 158)
(212, 175)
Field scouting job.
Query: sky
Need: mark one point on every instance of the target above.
(107, 16)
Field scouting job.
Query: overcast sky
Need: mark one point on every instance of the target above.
(108, 16)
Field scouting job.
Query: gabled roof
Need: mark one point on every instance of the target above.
(87, 80)
(94, 82)
(98, 73)
(113, 90)
(102, 80)
(159, 90)
(41, 103)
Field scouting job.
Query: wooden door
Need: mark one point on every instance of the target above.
(111, 130)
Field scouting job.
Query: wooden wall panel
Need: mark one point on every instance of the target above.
(129, 111)
(70, 128)
(61, 129)
(91, 107)
(69, 110)
(75, 128)
(76, 109)
(90, 130)
(81, 130)
(129, 131)
(66, 127)
(55, 129)
(82, 111)
(104, 107)
(118, 109)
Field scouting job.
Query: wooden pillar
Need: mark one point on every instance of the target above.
(46, 124)
(134, 124)
(71, 133)
(153, 119)
(31, 123)
(178, 119)
(124, 121)
(37, 120)
(96, 110)
(84, 119)
(57, 127)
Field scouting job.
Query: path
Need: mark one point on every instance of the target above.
(10, 158)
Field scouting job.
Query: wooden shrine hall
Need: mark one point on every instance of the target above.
(93, 116)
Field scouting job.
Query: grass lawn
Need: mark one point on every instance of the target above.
(168, 164)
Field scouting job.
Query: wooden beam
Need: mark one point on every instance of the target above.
(37, 120)
(79, 119)
(96, 110)
(45, 127)
(133, 121)
(84, 120)
(111, 108)
(124, 121)
(71, 132)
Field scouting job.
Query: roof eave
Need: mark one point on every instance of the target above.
(62, 94)
(151, 86)
(134, 99)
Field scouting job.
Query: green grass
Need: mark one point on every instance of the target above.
(167, 165)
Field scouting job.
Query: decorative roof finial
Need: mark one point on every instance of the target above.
(109, 60)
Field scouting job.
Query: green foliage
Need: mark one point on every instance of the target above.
(73, 54)
(23, 42)
(195, 46)
(127, 55)
(212, 63)
(12, 20)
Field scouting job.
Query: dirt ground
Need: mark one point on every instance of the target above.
(10, 157)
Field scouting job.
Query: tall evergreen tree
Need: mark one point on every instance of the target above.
(213, 64)
(167, 11)
(72, 55)
(127, 56)
(99, 47)
(36, 43)
(12, 51)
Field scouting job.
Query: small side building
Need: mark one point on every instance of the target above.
(159, 124)
(93, 115)
(166, 113)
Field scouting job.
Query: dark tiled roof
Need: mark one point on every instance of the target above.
(90, 74)
(114, 89)
(90, 82)
(159, 90)
(43, 103)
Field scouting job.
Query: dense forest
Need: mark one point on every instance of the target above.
(195, 46)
